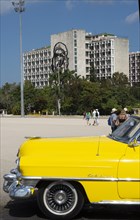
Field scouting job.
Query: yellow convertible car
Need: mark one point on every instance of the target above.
(67, 173)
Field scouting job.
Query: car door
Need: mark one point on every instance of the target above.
(129, 173)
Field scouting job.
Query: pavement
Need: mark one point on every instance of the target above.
(13, 131)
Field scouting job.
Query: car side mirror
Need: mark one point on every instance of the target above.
(134, 143)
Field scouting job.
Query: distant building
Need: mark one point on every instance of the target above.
(108, 54)
(37, 66)
(134, 67)
(105, 53)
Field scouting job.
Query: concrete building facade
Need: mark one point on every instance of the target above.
(75, 43)
(134, 67)
(105, 53)
(37, 66)
(109, 54)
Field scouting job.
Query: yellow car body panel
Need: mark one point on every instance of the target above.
(72, 157)
(100, 164)
(129, 168)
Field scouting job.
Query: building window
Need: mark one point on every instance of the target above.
(75, 43)
(75, 51)
(87, 46)
(87, 69)
(75, 34)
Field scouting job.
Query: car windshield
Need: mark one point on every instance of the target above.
(127, 130)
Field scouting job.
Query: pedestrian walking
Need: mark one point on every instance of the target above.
(88, 116)
(112, 119)
(96, 115)
(84, 115)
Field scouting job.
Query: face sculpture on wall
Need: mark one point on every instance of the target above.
(60, 57)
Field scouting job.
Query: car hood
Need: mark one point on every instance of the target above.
(66, 146)
(66, 156)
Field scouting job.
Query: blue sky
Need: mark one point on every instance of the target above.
(45, 17)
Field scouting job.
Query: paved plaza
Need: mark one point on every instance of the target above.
(15, 129)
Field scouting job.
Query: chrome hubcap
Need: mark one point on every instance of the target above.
(60, 198)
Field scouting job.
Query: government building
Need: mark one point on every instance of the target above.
(134, 67)
(105, 53)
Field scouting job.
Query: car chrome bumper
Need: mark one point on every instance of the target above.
(12, 185)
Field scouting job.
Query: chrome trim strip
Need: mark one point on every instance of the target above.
(118, 202)
(104, 179)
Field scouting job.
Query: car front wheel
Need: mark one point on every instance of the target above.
(60, 200)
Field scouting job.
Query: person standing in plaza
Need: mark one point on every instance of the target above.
(96, 115)
(127, 113)
(113, 118)
(84, 115)
(88, 116)
(122, 116)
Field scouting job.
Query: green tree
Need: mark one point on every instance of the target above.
(29, 97)
(119, 79)
(77, 94)
(60, 83)
(10, 95)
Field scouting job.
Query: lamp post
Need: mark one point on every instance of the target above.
(19, 7)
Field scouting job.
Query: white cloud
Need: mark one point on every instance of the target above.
(102, 2)
(132, 17)
(69, 4)
(34, 1)
(5, 6)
